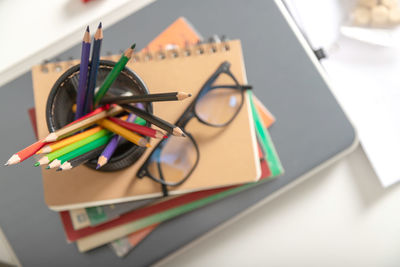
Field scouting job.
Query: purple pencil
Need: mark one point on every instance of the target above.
(112, 146)
(113, 143)
(83, 75)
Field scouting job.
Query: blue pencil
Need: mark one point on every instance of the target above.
(94, 66)
(83, 75)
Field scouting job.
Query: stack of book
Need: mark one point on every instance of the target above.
(120, 208)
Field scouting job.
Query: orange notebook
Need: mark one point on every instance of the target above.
(179, 34)
(228, 156)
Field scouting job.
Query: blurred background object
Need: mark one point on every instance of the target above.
(60, 27)
(363, 72)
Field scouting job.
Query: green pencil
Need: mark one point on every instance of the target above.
(80, 151)
(55, 154)
(119, 66)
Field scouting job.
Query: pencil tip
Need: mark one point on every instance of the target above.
(165, 136)
(87, 28)
(98, 166)
(58, 170)
(14, 159)
(100, 25)
(133, 46)
(189, 95)
(37, 164)
(47, 167)
(6, 164)
(51, 137)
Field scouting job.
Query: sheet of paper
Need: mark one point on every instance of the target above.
(364, 78)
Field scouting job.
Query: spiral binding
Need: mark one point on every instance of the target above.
(213, 45)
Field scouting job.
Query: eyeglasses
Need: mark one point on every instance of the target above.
(217, 104)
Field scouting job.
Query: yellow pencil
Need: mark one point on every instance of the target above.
(67, 141)
(125, 133)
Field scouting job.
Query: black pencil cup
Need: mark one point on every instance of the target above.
(62, 97)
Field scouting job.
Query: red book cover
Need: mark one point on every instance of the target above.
(73, 235)
(32, 118)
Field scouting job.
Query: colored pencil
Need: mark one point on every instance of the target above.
(67, 141)
(32, 149)
(55, 154)
(170, 128)
(100, 142)
(174, 96)
(25, 153)
(94, 112)
(147, 131)
(79, 151)
(81, 124)
(119, 66)
(83, 75)
(94, 66)
(128, 135)
(83, 158)
(112, 145)
(138, 120)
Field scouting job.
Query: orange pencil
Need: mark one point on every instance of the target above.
(67, 141)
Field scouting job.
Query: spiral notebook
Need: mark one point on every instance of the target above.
(228, 156)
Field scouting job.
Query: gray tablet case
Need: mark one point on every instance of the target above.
(311, 129)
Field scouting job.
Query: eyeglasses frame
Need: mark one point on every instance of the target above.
(186, 116)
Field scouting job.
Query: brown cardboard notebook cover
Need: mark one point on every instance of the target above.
(228, 155)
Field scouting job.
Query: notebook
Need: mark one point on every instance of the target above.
(218, 146)
(138, 219)
(178, 34)
(267, 155)
(92, 216)
(122, 246)
(209, 196)
(79, 217)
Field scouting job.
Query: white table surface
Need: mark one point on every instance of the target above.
(338, 217)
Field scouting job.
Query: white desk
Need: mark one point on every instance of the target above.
(339, 217)
(38, 30)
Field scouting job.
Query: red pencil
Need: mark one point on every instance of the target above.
(32, 149)
(25, 153)
(139, 128)
(94, 112)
